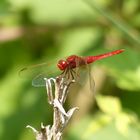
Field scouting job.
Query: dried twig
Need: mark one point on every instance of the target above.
(57, 91)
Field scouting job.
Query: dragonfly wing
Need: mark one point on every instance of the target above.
(84, 78)
(91, 79)
(37, 73)
(39, 81)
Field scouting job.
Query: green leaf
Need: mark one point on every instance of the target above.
(125, 69)
(119, 24)
(130, 80)
(101, 126)
(77, 41)
(60, 11)
(108, 104)
(130, 7)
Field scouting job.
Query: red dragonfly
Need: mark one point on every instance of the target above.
(71, 65)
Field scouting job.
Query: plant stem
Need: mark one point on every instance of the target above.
(56, 98)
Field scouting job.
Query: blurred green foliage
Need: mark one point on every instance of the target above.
(34, 31)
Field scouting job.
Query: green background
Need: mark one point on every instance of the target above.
(37, 31)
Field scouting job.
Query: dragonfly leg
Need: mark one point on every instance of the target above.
(63, 73)
(72, 73)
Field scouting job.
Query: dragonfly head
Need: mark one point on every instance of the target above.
(62, 64)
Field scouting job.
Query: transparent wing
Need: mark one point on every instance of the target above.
(39, 81)
(37, 73)
(84, 78)
(91, 79)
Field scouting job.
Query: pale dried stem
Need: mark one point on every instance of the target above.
(57, 91)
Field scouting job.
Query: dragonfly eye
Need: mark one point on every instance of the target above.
(62, 64)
